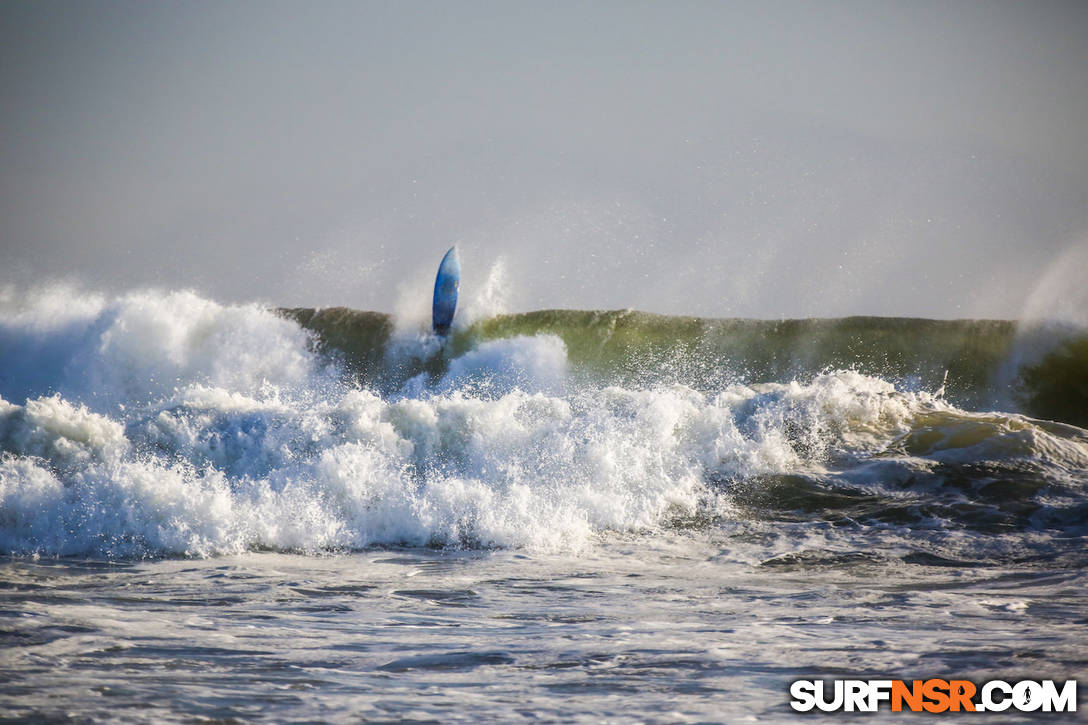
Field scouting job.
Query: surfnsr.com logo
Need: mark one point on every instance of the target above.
(934, 695)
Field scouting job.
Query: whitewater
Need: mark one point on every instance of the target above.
(241, 512)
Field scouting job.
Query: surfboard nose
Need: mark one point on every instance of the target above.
(452, 258)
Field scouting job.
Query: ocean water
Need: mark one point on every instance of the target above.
(218, 512)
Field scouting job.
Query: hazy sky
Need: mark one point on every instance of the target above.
(717, 158)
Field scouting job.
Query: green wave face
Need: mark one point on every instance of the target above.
(1057, 386)
(975, 361)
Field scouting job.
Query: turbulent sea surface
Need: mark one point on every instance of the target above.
(233, 513)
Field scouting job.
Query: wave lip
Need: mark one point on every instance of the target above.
(979, 364)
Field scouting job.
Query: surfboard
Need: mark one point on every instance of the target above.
(446, 284)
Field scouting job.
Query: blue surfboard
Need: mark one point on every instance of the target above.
(446, 284)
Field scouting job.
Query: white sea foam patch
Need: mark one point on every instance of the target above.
(537, 363)
(67, 435)
(521, 470)
(213, 471)
(140, 346)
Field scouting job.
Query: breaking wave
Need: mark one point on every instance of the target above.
(163, 423)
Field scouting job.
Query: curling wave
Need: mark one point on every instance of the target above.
(164, 423)
(1036, 369)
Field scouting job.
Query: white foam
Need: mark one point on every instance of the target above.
(65, 434)
(145, 344)
(537, 363)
